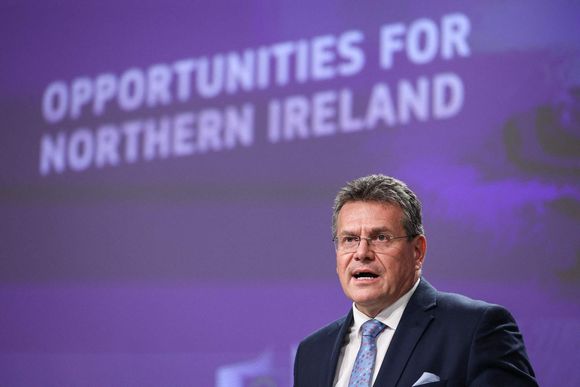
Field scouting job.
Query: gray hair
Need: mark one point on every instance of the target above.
(382, 189)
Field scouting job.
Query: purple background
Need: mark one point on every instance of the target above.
(208, 270)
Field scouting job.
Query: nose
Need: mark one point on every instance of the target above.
(362, 251)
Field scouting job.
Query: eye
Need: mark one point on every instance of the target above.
(382, 238)
(349, 239)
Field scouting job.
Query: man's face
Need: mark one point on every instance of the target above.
(388, 274)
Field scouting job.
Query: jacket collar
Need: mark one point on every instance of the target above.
(416, 318)
(336, 348)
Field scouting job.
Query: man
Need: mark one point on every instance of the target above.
(400, 330)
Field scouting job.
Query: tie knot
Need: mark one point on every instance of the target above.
(372, 328)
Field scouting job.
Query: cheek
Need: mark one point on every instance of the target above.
(341, 265)
(394, 265)
(340, 271)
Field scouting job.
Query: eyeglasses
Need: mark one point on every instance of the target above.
(379, 242)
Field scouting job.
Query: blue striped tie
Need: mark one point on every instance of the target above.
(362, 372)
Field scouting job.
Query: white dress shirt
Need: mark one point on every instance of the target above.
(390, 316)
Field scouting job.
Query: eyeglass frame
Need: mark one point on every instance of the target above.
(370, 240)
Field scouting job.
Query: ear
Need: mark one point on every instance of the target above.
(419, 250)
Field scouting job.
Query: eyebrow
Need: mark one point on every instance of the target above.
(374, 231)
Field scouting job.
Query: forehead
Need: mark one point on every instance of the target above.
(358, 215)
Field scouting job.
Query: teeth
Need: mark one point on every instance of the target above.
(365, 275)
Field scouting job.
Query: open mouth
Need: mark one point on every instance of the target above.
(364, 275)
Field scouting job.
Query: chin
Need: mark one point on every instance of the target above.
(365, 299)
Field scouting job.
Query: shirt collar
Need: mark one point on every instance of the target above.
(390, 316)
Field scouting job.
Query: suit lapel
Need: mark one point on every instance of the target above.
(337, 346)
(416, 318)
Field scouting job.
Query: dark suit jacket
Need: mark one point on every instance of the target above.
(463, 341)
